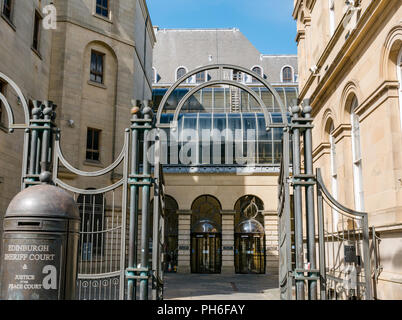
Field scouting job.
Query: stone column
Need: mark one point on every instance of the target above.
(184, 258)
(271, 242)
(228, 241)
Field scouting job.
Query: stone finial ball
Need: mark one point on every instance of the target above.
(295, 109)
(45, 177)
(36, 111)
(147, 111)
(307, 109)
(135, 110)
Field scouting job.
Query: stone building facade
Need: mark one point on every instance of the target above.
(177, 52)
(92, 66)
(350, 58)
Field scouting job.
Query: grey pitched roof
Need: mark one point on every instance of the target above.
(192, 48)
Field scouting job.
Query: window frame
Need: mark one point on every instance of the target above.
(11, 9)
(102, 8)
(36, 33)
(291, 74)
(261, 74)
(176, 73)
(95, 72)
(357, 157)
(92, 150)
(204, 73)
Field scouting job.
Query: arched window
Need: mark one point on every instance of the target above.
(248, 207)
(399, 71)
(258, 71)
(180, 73)
(206, 208)
(357, 158)
(334, 174)
(331, 17)
(287, 74)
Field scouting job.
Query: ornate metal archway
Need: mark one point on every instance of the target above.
(41, 133)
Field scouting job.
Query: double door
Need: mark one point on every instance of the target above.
(206, 256)
(249, 253)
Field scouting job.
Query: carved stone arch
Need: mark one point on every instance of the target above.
(389, 54)
(327, 119)
(101, 44)
(350, 91)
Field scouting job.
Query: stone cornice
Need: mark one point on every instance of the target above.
(368, 18)
(301, 34)
(386, 90)
(296, 8)
(342, 131)
(322, 149)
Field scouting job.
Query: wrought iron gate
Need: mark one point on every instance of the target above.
(344, 267)
(101, 256)
(108, 268)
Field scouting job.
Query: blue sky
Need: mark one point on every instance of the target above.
(268, 24)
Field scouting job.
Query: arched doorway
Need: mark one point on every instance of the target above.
(249, 243)
(249, 235)
(206, 236)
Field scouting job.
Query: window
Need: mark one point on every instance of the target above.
(331, 17)
(36, 33)
(93, 147)
(200, 77)
(287, 74)
(334, 174)
(180, 73)
(97, 67)
(357, 158)
(237, 76)
(2, 89)
(102, 8)
(258, 71)
(7, 8)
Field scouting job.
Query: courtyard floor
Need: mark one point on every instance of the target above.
(220, 287)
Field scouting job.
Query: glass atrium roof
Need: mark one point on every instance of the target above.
(220, 99)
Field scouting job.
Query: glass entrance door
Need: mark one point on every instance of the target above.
(206, 253)
(249, 253)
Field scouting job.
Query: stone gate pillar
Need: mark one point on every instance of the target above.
(184, 241)
(228, 241)
(271, 242)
